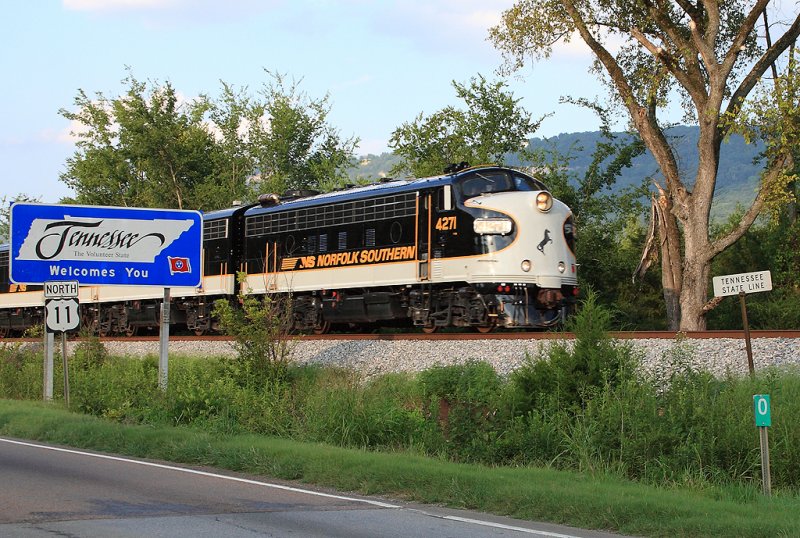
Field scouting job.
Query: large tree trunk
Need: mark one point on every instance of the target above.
(696, 266)
(693, 296)
(670, 245)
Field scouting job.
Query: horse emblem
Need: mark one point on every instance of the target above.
(544, 241)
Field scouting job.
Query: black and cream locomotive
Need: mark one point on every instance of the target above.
(480, 247)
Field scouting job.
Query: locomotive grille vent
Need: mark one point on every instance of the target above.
(215, 229)
(388, 207)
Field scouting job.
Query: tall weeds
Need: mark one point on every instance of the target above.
(583, 405)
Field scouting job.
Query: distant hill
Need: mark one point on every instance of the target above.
(737, 179)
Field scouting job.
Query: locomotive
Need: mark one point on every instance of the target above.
(481, 247)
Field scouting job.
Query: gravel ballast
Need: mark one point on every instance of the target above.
(374, 357)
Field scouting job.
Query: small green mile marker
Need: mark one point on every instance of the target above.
(761, 408)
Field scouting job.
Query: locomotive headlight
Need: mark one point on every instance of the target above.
(562, 267)
(544, 201)
(525, 265)
(489, 226)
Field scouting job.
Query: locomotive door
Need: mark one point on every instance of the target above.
(423, 237)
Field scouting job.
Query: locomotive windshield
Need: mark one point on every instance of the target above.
(485, 182)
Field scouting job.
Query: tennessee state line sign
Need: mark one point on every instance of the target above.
(105, 245)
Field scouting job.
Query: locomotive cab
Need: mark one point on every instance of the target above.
(512, 244)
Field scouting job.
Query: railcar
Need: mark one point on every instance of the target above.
(480, 247)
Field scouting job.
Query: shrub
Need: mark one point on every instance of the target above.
(564, 377)
(464, 400)
(89, 353)
(260, 329)
(20, 371)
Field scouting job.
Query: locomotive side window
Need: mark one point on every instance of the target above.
(445, 198)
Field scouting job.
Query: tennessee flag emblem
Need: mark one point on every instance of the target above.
(178, 265)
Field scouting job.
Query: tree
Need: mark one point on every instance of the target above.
(142, 149)
(705, 52)
(291, 141)
(147, 148)
(229, 118)
(5, 213)
(493, 126)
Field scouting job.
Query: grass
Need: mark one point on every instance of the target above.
(597, 501)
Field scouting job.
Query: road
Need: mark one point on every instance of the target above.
(50, 491)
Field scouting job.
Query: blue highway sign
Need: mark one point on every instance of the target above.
(105, 245)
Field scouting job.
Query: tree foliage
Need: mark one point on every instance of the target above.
(708, 54)
(5, 213)
(144, 148)
(608, 220)
(295, 147)
(773, 118)
(493, 126)
(150, 148)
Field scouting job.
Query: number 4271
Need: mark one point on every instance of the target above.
(446, 223)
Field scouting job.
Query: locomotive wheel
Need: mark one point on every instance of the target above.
(131, 330)
(322, 328)
(199, 332)
(429, 329)
(486, 329)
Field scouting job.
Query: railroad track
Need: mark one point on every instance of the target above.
(511, 335)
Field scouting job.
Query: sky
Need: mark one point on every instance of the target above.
(382, 62)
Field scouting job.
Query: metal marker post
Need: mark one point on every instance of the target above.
(747, 335)
(766, 478)
(48, 365)
(66, 367)
(163, 360)
(763, 414)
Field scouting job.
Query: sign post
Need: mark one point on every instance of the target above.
(61, 314)
(742, 284)
(95, 245)
(163, 356)
(761, 408)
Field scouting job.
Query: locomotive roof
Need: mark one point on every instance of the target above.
(374, 189)
(220, 213)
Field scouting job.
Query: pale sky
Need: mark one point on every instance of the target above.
(382, 62)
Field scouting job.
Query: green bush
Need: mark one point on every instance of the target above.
(464, 400)
(260, 328)
(124, 389)
(345, 411)
(88, 353)
(565, 377)
(21, 372)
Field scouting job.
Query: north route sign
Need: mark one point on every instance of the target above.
(742, 283)
(97, 245)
